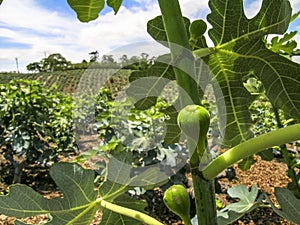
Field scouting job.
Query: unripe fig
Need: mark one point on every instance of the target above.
(177, 200)
(197, 29)
(194, 119)
(194, 122)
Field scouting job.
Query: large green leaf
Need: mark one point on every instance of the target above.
(246, 203)
(146, 86)
(173, 130)
(115, 4)
(155, 28)
(119, 181)
(87, 10)
(78, 205)
(289, 204)
(239, 51)
(109, 217)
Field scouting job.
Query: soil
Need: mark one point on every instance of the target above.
(266, 175)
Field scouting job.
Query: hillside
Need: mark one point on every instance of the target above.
(75, 81)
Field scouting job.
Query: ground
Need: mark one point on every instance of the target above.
(266, 175)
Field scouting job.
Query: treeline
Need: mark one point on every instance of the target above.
(56, 62)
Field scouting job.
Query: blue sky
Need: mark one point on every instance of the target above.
(31, 29)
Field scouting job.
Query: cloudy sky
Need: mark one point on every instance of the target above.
(33, 29)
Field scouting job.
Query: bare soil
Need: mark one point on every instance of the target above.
(267, 175)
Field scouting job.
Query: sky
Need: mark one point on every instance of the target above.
(33, 29)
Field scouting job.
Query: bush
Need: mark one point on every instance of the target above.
(36, 124)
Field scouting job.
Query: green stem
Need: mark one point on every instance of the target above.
(204, 189)
(178, 42)
(180, 51)
(205, 199)
(291, 172)
(186, 221)
(129, 212)
(251, 147)
(277, 116)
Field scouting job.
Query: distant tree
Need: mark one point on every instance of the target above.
(107, 59)
(144, 61)
(34, 67)
(124, 60)
(55, 62)
(144, 56)
(83, 65)
(141, 62)
(94, 56)
(151, 60)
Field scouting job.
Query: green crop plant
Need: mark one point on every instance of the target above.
(239, 52)
(36, 124)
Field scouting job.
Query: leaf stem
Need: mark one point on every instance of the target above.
(128, 212)
(180, 51)
(250, 147)
(189, 94)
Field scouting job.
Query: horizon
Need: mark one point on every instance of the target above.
(31, 30)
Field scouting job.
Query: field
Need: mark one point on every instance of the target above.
(207, 134)
(74, 81)
(88, 81)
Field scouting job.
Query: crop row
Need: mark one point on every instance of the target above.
(75, 81)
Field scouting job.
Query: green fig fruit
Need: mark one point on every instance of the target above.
(197, 29)
(177, 200)
(194, 121)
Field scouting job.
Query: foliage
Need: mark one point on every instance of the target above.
(248, 201)
(285, 46)
(94, 56)
(68, 81)
(54, 62)
(232, 61)
(122, 127)
(289, 203)
(80, 201)
(266, 117)
(240, 51)
(36, 124)
(89, 10)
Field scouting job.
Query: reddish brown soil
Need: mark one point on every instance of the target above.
(266, 175)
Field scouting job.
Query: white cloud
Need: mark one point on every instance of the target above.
(39, 30)
(251, 8)
(194, 9)
(29, 15)
(43, 30)
(295, 5)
